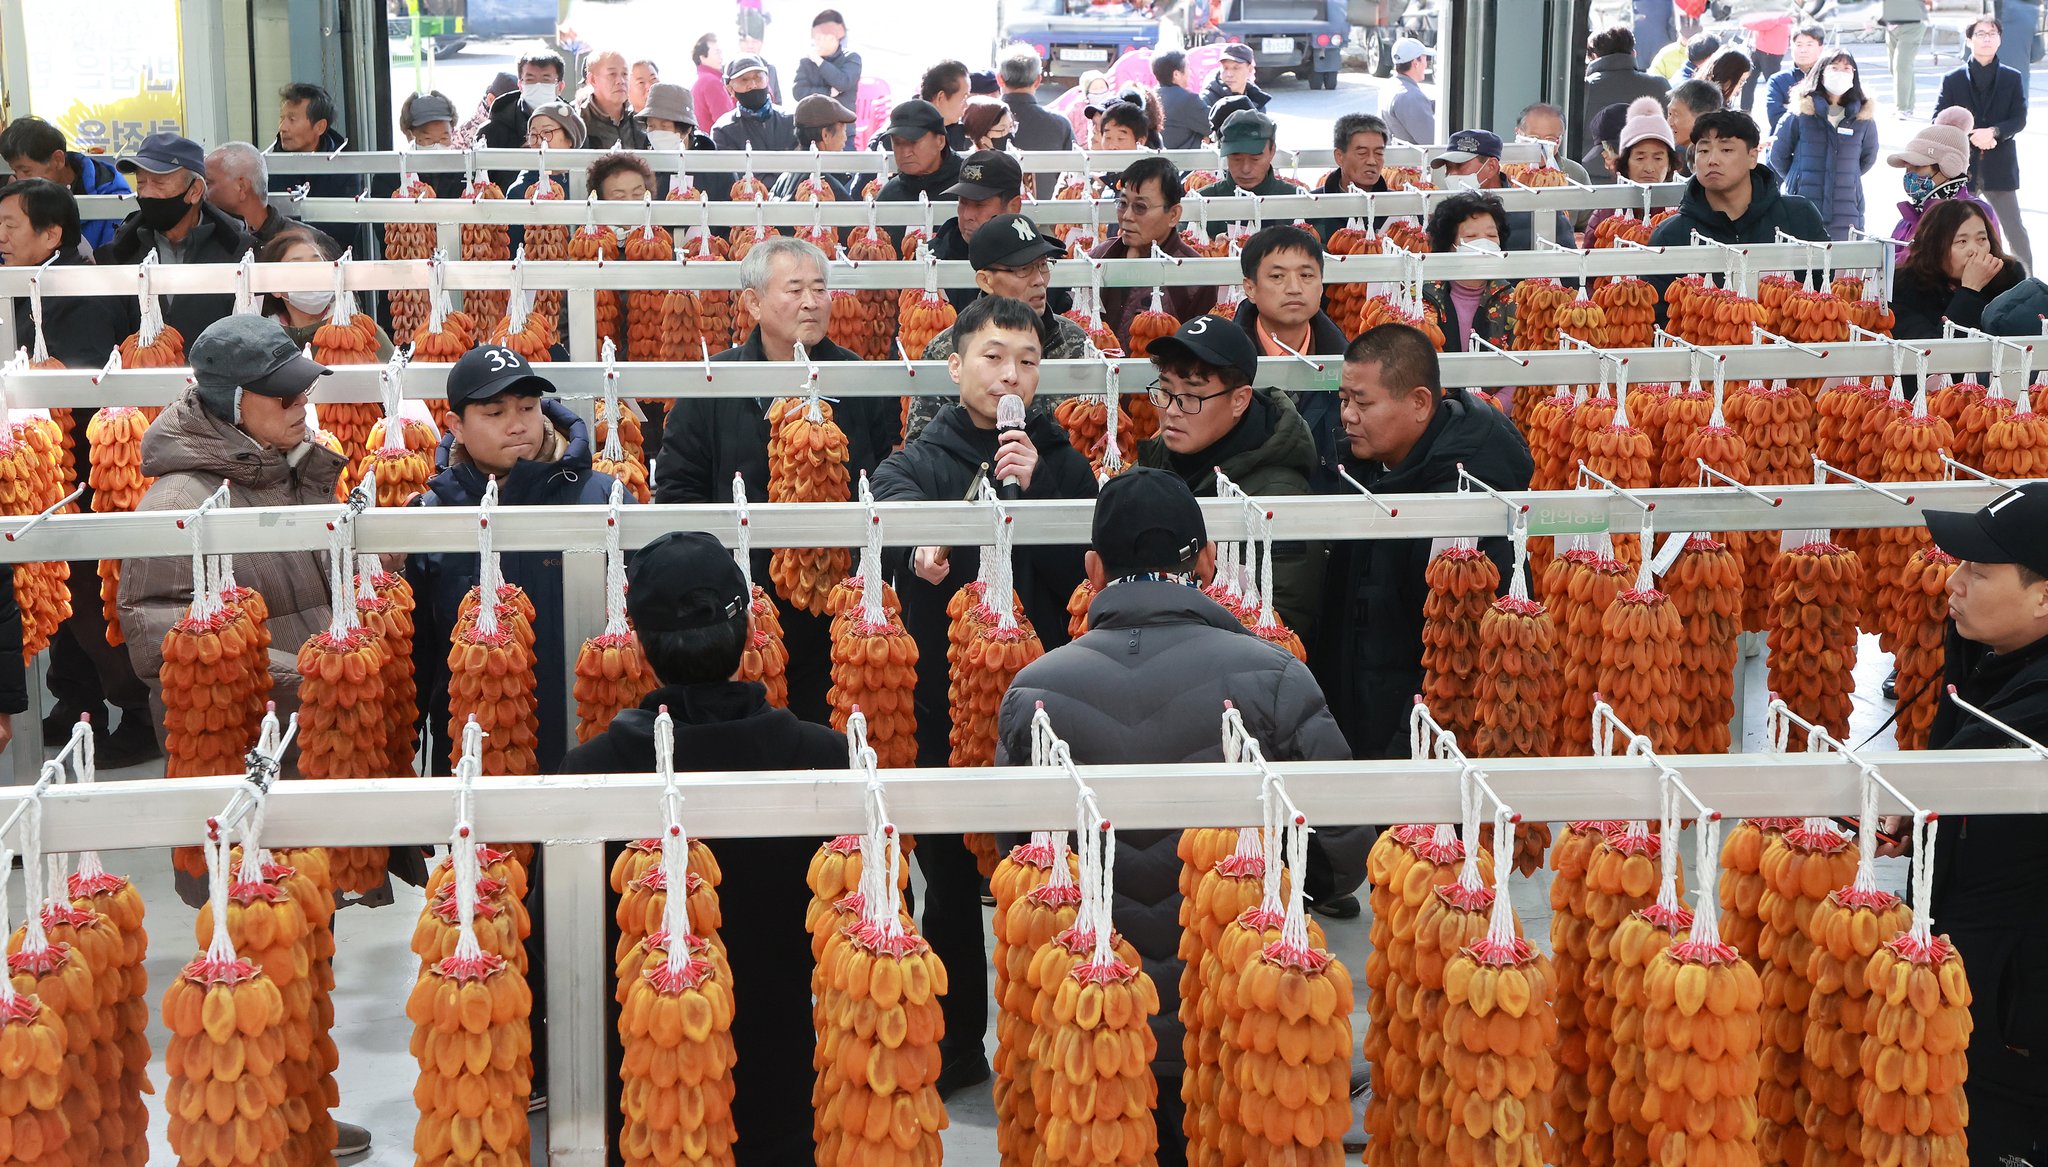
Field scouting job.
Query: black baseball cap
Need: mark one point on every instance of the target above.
(488, 370)
(1147, 520)
(1211, 340)
(684, 580)
(2012, 528)
(252, 353)
(988, 174)
(1239, 52)
(913, 119)
(1009, 241)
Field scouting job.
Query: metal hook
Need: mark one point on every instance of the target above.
(1745, 488)
(1824, 469)
(37, 519)
(1586, 473)
(2026, 743)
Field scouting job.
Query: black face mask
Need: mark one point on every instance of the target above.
(162, 214)
(754, 100)
(1002, 145)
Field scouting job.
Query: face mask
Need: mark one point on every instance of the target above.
(161, 214)
(1000, 144)
(313, 303)
(1461, 182)
(620, 231)
(664, 140)
(537, 94)
(1837, 81)
(1919, 186)
(754, 100)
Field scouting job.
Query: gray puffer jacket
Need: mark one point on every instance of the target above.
(189, 451)
(1146, 684)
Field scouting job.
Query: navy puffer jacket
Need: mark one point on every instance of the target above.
(1826, 162)
(440, 580)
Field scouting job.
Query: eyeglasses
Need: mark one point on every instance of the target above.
(1035, 270)
(1188, 404)
(1135, 207)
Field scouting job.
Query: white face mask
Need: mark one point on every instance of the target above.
(313, 303)
(537, 94)
(1461, 182)
(1837, 81)
(619, 232)
(664, 140)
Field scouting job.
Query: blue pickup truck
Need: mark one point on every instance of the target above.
(1303, 37)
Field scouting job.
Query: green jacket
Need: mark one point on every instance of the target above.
(1225, 189)
(1279, 466)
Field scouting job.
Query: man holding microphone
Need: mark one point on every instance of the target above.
(984, 437)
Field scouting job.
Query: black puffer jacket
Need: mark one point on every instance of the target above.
(946, 464)
(1370, 657)
(327, 186)
(217, 237)
(1990, 872)
(1147, 683)
(705, 441)
(1318, 407)
(79, 332)
(904, 188)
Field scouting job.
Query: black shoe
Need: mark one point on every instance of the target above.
(132, 742)
(957, 1075)
(57, 726)
(1891, 686)
(350, 1139)
(1340, 908)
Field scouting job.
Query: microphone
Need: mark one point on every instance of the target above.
(1009, 416)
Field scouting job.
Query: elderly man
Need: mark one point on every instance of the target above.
(754, 122)
(707, 440)
(174, 221)
(1360, 140)
(991, 183)
(641, 80)
(236, 182)
(821, 124)
(925, 164)
(38, 225)
(1246, 144)
(1038, 128)
(608, 116)
(33, 148)
(305, 125)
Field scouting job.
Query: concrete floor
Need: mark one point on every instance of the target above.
(375, 969)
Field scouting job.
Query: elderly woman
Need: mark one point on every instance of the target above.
(1937, 166)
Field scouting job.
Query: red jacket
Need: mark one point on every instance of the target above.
(1120, 306)
(709, 98)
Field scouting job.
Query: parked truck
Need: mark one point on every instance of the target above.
(1302, 37)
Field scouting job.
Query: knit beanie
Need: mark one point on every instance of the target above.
(1646, 122)
(564, 115)
(1944, 145)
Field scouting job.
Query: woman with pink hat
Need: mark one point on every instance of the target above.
(1937, 165)
(1645, 151)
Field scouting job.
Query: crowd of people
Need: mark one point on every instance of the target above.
(1146, 683)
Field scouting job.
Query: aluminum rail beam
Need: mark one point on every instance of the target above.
(621, 275)
(55, 388)
(906, 524)
(804, 161)
(363, 812)
(787, 214)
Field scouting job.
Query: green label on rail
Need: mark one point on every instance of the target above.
(1568, 518)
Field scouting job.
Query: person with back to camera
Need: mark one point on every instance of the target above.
(1730, 70)
(1023, 454)
(1828, 142)
(690, 611)
(1147, 683)
(1612, 77)
(1937, 166)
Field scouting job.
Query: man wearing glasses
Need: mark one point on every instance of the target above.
(243, 420)
(1010, 258)
(1147, 215)
(1211, 418)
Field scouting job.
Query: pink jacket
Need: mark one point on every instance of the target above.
(1773, 32)
(709, 98)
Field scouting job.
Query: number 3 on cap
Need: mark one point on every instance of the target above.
(502, 359)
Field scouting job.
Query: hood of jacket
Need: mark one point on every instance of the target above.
(1857, 111)
(1765, 193)
(457, 481)
(185, 439)
(1289, 454)
(1465, 432)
